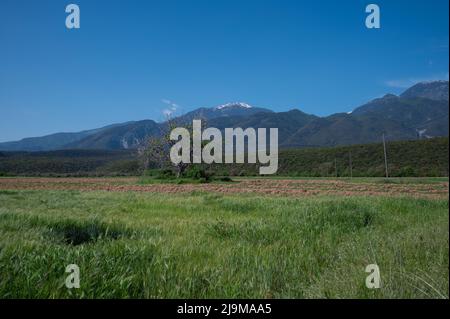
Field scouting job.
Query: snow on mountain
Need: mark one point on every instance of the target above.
(234, 105)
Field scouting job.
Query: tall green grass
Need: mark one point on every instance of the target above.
(206, 245)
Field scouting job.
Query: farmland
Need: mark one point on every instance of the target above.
(250, 238)
(414, 187)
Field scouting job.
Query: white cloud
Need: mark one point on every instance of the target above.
(167, 112)
(171, 109)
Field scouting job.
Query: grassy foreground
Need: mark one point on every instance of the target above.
(205, 245)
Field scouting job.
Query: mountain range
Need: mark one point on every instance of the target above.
(420, 112)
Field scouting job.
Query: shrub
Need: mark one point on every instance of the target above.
(151, 172)
(165, 174)
(198, 173)
(407, 171)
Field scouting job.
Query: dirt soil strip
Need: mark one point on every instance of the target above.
(296, 188)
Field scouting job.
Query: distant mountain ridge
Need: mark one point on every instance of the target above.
(53, 141)
(434, 90)
(422, 111)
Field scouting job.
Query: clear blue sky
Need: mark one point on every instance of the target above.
(129, 56)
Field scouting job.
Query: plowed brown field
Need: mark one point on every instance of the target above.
(282, 187)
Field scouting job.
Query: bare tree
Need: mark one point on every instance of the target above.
(155, 151)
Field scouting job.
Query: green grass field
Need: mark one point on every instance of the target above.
(205, 245)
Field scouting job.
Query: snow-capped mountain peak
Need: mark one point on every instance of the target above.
(234, 105)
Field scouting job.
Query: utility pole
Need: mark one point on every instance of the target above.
(350, 163)
(335, 167)
(385, 157)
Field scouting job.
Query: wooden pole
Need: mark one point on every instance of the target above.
(350, 163)
(385, 157)
(335, 167)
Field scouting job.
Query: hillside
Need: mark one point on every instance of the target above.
(418, 158)
(405, 158)
(410, 158)
(68, 163)
(53, 141)
(126, 136)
